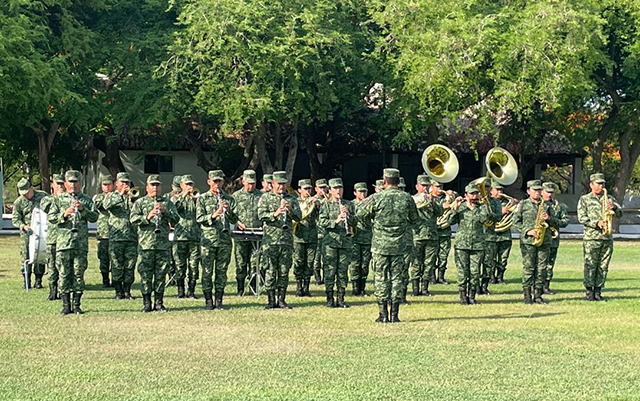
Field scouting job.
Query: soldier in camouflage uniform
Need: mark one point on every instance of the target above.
(247, 210)
(534, 258)
(322, 193)
(71, 211)
(562, 217)
(153, 214)
(21, 218)
(123, 238)
(425, 238)
(57, 188)
(379, 187)
(338, 219)
(305, 238)
(102, 232)
(444, 234)
(393, 213)
(175, 191)
(501, 241)
(267, 179)
(278, 210)
(186, 238)
(490, 248)
(215, 211)
(266, 183)
(361, 256)
(470, 215)
(597, 245)
(408, 255)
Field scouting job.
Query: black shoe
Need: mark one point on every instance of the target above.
(464, 299)
(441, 279)
(485, 286)
(479, 290)
(159, 302)
(192, 289)
(403, 296)
(597, 294)
(472, 295)
(363, 284)
(180, 286)
(395, 307)
(38, 284)
(590, 294)
(546, 288)
(317, 276)
(53, 291)
(208, 301)
(282, 295)
(105, 280)
(383, 313)
(538, 297)
(425, 289)
(66, 304)
(340, 301)
(305, 287)
(146, 303)
(330, 302)
(355, 286)
(240, 287)
(527, 295)
(219, 295)
(127, 291)
(271, 296)
(117, 285)
(299, 287)
(500, 278)
(415, 287)
(76, 303)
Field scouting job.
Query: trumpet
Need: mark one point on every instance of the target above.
(134, 192)
(285, 226)
(506, 221)
(195, 193)
(74, 217)
(541, 225)
(480, 183)
(607, 214)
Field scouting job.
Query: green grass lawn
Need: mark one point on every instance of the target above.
(498, 350)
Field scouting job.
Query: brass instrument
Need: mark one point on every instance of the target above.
(607, 214)
(554, 231)
(501, 166)
(443, 221)
(506, 221)
(195, 193)
(480, 184)
(285, 226)
(134, 192)
(74, 216)
(307, 206)
(440, 163)
(421, 200)
(541, 225)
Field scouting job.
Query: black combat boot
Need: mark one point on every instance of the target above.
(146, 303)
(76, 303)
(464, 299)
(240, 287)
(415, 287)
(192, 289)
(425, 289)
(472, 295)
(181, 293)
(159, 302)
(500, 278)
(527, 295)
(590, 296)
(383, 317)
(119, 290)
(546, 288)
(305, 287)
(66, 304)
(395, 308)
(271, 296)
(355, 286)
(403, 295)
(479, 289)
(441, 279)
(330, 302)
(363, 284)
(53, 291)
(597, 294)
(299, 287)
(317, 276)
(321, 275)
(538, 297)
(494, 277)
(282, 295)
(127, 291)
(208, 301)
(38, 284)
(105, 280)
(219, 295)
(340, 302)
(485, 286)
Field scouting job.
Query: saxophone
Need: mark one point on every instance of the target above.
(607, 214)
(541, 225)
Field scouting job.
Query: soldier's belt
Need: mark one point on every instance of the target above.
(247, 235)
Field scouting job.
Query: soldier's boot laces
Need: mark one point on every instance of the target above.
(76, 303)
(330, 302)
(298, 287)
(282, 295)
(208, 301)
(192, 289)
(219, 295)
(395, 308)
(66, 304)
(127, 291)
(340, 302)
(538, 297)
(105, 280)
(355, 286)
(180, 286)
(415, 287)
(53, 291)
(240, 287)
(146, 303)
(159, 302)
(464, 299)
(472, 295)
(527, 295)
(425, 289)
(547, 289)
(383, 316)
(597, 294)
(271, 296)
(305, 289)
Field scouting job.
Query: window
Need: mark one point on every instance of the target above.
(157, 164)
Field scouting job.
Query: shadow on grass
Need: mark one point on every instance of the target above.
(490, 317)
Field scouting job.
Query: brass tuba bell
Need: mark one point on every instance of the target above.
(440, 163)
(501, 166)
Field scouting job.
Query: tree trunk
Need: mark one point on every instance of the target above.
(111, 149)
(312, 155)
(45, 140)
(293, 149)
(197, 148)
(629, 152)
(261, 147)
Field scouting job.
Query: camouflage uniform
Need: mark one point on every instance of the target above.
(123, 241)
(186, 241)
(490, 246)
(425, 242)
(22, 209)
(502, 243)
(444, 244)
(102, 233)
(154, 249)
(337, 245)
(361, 255)
(408, 254)
(562, 216)
(52, 229)
(277, 242)
(393, 213)
(247, 261)
(72, 247)
(305, 242)
(317, 263)
(597, 246)
(469, 246)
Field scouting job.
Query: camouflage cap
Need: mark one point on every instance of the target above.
(391, 173)
(401, 184)
(280, 177)
(379, 184)
(123, 177)
(249, 176)
(597, 178)
(471, 189)
(154, 179)
(436, 183)
(267, 177)
(423, 179)
(106, 179)
(496, 185)
(361, 186)
(72, 175)
(335, 182)
(216, 175)
(58, 178)
(175, 183)
(23, 186)
(549, 186)
(187, 179)
(321, 183)
(306, 184)
(534, 184)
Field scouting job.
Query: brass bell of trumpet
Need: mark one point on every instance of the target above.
(134, 192)
(195, 192)
(440, 163)
(501, 166)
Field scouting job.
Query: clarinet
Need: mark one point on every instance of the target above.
(74, 229)
(223, 217)
(157, 218)
(285, 226)
(346, 223)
